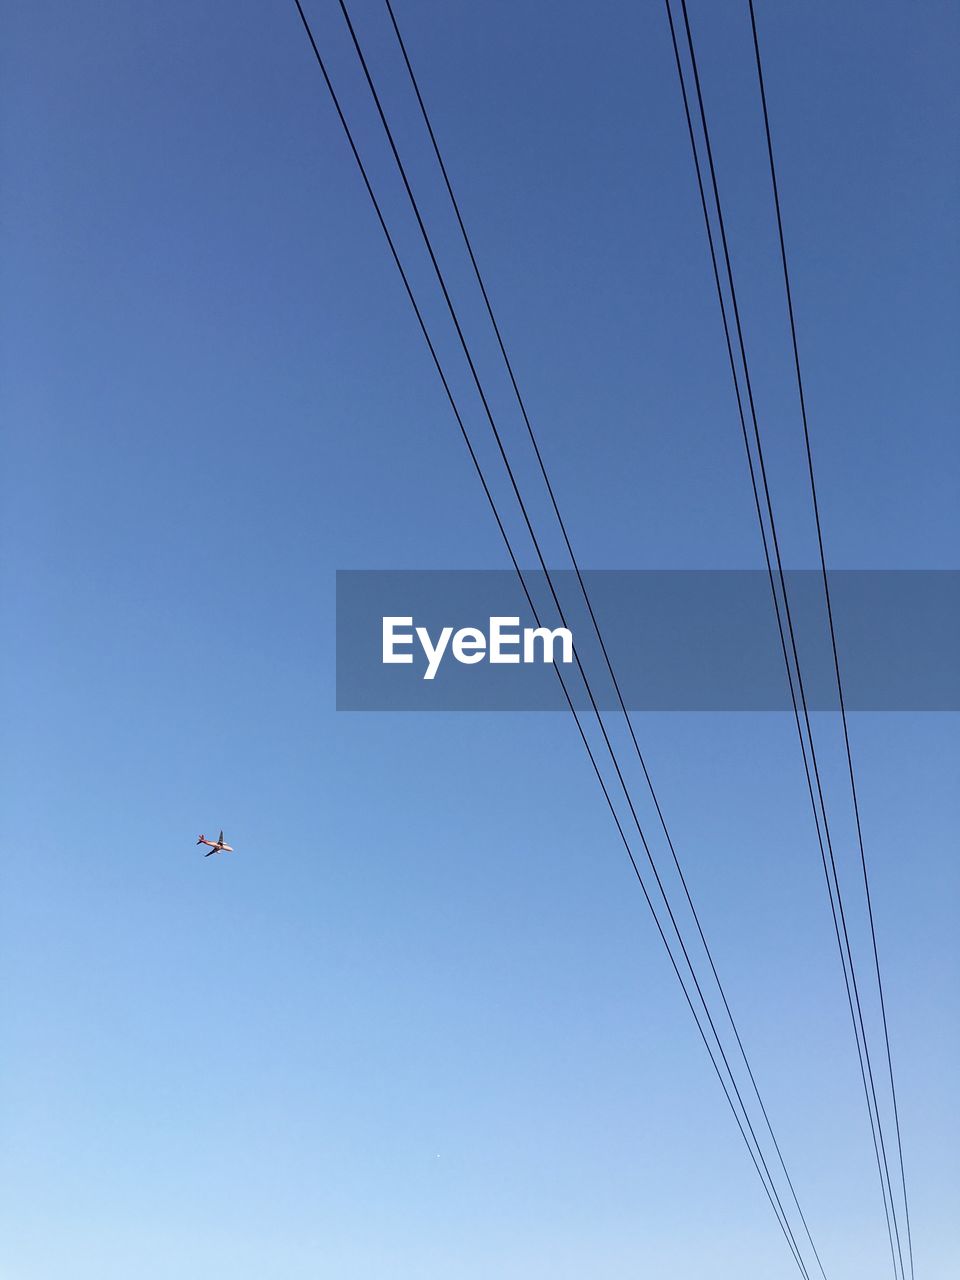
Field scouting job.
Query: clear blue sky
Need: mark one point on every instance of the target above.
(419, 1026)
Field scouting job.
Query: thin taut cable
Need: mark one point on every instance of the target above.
(782, 1222)
(499, 441)
(869, 1084)
(776, 604)
(853, 996)
(826, 594)
(596, 626)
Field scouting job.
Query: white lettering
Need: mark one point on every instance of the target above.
(469, 645)
(532, 634)
(498, 639)
(391, 639)
(434, 653)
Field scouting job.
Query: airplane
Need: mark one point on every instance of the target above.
(216, 846)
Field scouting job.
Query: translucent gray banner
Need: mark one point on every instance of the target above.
(679, 640)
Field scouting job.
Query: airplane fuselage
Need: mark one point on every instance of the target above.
(216, 845)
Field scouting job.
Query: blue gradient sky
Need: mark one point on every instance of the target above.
(420, 1025)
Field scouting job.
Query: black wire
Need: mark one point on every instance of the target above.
(586, 597)
(553, 592)
(845, 947)
(870, 1090)
(546, 572)
(773, 587)
(826, 593)
(770, 1191)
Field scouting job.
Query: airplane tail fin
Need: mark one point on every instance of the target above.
(201, 838)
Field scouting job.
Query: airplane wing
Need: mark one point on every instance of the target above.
(220, 841)
(207, 855)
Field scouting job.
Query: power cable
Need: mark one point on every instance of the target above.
(770, 1191)
(826, 593)
(586, 597)
(868, 1078)
(853, 997)
(540, 556)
